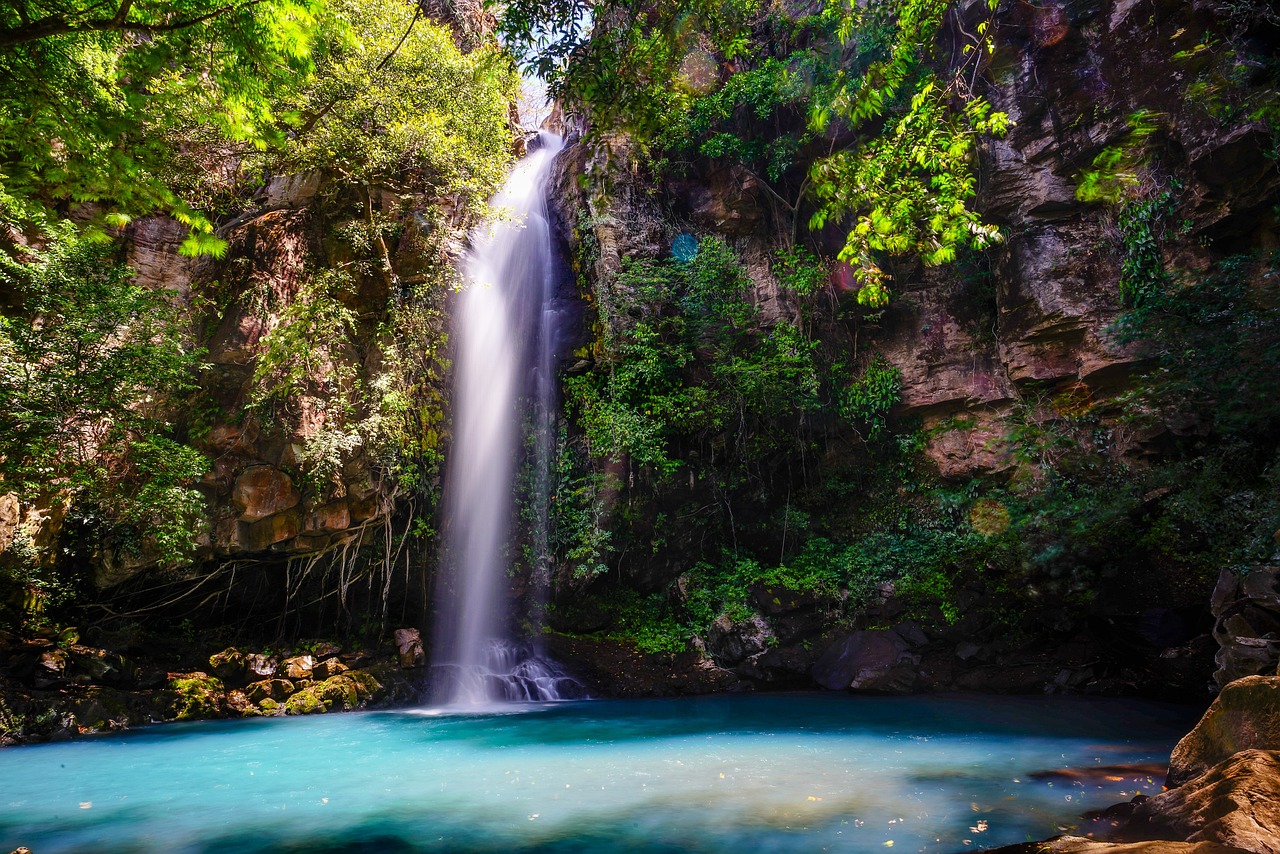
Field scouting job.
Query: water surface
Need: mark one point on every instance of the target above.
(786, 773)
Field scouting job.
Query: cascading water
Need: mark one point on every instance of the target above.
(504, 373)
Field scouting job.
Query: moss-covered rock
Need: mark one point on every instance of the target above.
(230, 666)
(197, 695)
(304, 702)
(367, 685)
(269, 707)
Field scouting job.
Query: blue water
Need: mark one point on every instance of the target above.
(789, 773)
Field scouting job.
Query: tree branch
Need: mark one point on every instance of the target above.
(59, 25)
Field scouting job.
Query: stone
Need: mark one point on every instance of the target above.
(873, 660)
(263, 491)
(10, 519)
(1081, 845)
(229, 665)
(304, 703)
(268, 689)
(262, 666)
(334, 516)
(298, 667)
(409, 648)
(293, 191)
(239, 703)
(367, 685)
(731, 642)
(268, 532)
(1246, 715)
(328, 668)
(1236, 803)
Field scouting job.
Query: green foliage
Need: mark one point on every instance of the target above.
(98, 96)
(1216, 338)
(799, 271)
(395, 103)
(642, 64)
(868, 399)
(578, 528)
(1117, 171)
(907, 185)
(646, 621)
(91, 366)
(1142, 273)
(690, 363)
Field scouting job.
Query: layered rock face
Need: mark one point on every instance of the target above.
(1023, 338)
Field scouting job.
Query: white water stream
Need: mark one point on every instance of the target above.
(504, 377)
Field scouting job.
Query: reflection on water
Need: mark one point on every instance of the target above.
(787, 773)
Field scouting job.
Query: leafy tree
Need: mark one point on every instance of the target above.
(907, 181)
(88, 371)
(394, 103)
(93, 96)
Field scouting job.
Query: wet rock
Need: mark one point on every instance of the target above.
(268, 689)
(1246, 715)
(196, 696)
(304, 702)
(328, 668)
(409, 648)
(260, 666)
(874, 660)
(229, 665)
(298, 667)
(263, 491)
(366, 683)
(239, 703)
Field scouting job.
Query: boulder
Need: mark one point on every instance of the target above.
(1246, 715)
(334, 516)
(1235, 803)
(229, 665)
(1081, 845)
(874, 660)
(268, 689)
(409, 648)
(261, 666)
(1246, 610)
(268, 532)
(328, 668)
(730, 642)
(298, 667)
(263, 491)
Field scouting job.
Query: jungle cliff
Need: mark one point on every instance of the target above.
(1022, 470)
(1012, 448)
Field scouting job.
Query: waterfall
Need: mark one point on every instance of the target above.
(504, 378)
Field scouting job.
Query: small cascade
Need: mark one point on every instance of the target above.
(504, 376)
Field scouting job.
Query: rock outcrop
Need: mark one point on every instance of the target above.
(1246, 612)
(1245, 716)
